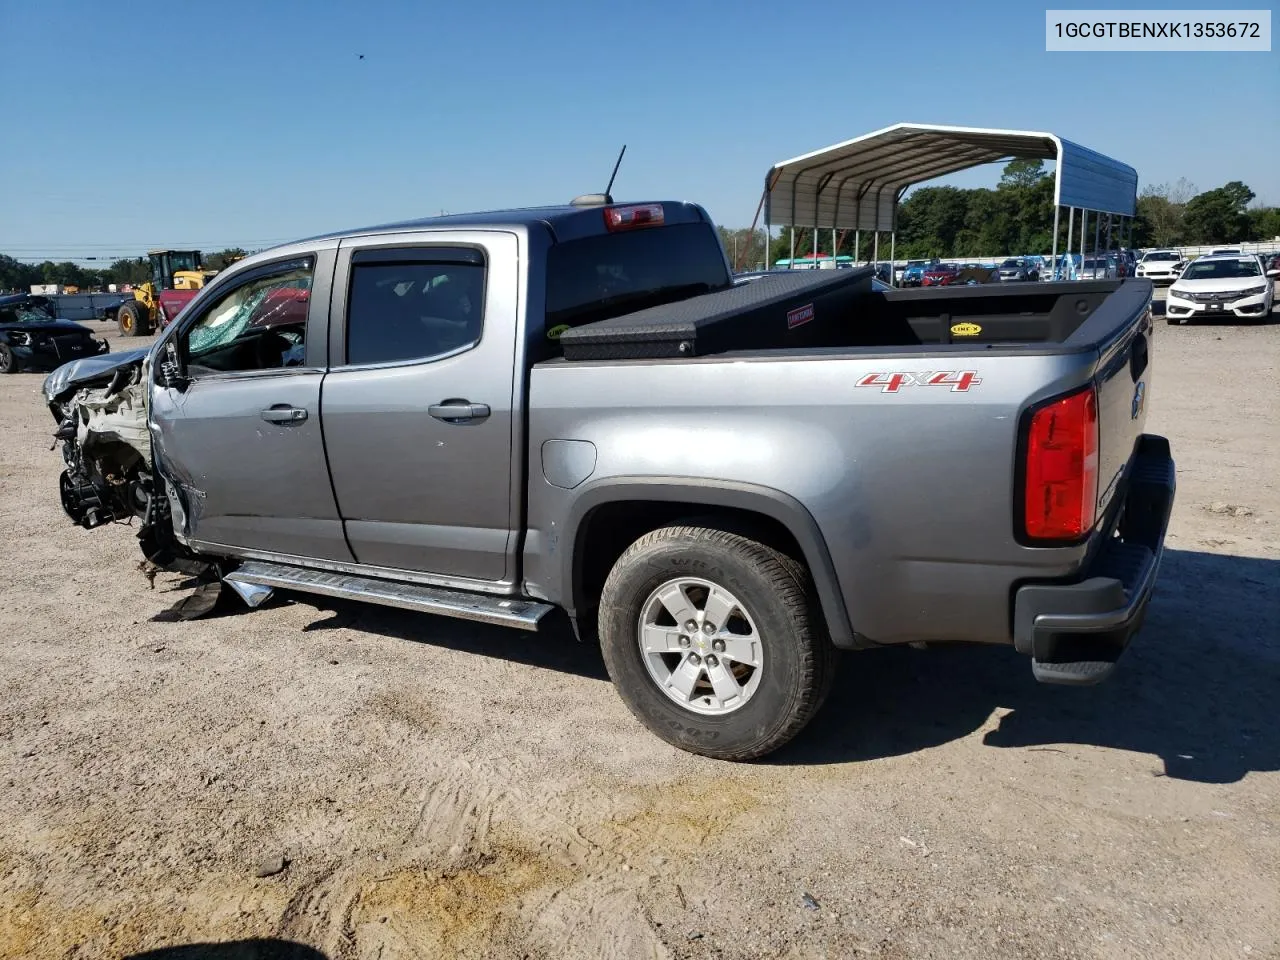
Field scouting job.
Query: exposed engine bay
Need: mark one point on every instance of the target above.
(110, 476)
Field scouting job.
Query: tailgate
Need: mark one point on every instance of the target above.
(1123, 381)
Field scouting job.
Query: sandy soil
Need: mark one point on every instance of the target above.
(437, 789)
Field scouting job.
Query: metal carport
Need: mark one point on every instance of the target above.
(858, 184)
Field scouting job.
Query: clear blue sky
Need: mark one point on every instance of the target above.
(134, 125)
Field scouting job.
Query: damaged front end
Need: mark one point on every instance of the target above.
(100, 405)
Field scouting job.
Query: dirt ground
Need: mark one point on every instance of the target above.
(437, 789)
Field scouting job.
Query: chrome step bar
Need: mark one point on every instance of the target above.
(255, 580)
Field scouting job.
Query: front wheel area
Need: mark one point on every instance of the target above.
(714, 642)
(9, 362)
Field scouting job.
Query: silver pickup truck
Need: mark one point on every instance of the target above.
(722, 482)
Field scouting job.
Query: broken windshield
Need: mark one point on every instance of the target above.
(35, 310)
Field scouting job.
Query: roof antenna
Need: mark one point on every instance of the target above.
(608, 196)
(596, 199)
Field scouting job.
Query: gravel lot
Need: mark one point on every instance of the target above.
(436, 789)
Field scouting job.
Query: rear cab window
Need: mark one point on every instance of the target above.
(612, 274)
(414, 304)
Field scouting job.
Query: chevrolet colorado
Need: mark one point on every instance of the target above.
(723, 483)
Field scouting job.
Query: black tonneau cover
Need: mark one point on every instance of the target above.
(783, 310)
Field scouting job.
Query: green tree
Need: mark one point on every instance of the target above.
(1022, 174)
(931, 220)
(744, 247)
(222, 258)
(136, 270)
(66, 273)
(1264, 223)
(1159, 219)
(1220, 215)
(16, 275)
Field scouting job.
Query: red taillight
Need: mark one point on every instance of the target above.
(1062, 468)
(629, 218)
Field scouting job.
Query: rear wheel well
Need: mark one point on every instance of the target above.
(612, 527)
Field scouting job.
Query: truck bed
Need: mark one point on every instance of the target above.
(844, 313)
(901, 438)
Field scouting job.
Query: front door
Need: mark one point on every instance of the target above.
(240, 440)
(418, 403)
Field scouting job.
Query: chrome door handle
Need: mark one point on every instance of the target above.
(459, 411)
(282, 413)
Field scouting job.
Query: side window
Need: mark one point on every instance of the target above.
(409, 310)
(259, 325)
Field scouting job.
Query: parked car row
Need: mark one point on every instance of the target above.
(913, 275)
(1165, 266)
(954, 274)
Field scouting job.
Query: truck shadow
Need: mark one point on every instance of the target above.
(1197, 688)
(257, 949)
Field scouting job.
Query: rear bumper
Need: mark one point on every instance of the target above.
(1076, 632)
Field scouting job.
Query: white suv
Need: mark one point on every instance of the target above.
(1216, 285)
(1160, 266)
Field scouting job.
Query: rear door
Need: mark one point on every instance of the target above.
(420, 404)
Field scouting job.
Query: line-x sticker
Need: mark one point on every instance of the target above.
(958, 380)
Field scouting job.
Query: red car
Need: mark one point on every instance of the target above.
(940, 275)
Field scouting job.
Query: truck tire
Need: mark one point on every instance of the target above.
(133, 320)
(734, 690)
(9, 362)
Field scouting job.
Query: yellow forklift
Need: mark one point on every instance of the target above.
(176, 276)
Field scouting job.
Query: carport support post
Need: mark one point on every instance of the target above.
(857, 245)
(875, 250)
(1066, 256)
(1053, 257)
(1097, 224)
(792, 264)
(815, 246)
(893, 249)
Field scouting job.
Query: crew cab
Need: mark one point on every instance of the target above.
(577, 409)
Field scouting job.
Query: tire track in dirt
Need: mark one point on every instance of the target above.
(487, 868)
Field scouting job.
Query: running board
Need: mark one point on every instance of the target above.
(254, 581)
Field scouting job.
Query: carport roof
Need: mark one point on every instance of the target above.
(857, 184)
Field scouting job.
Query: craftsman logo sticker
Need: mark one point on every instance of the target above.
(799, 316)
(958, 380)
(966, 330)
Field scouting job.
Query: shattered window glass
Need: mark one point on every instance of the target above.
(260, 325)
(35, 310)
